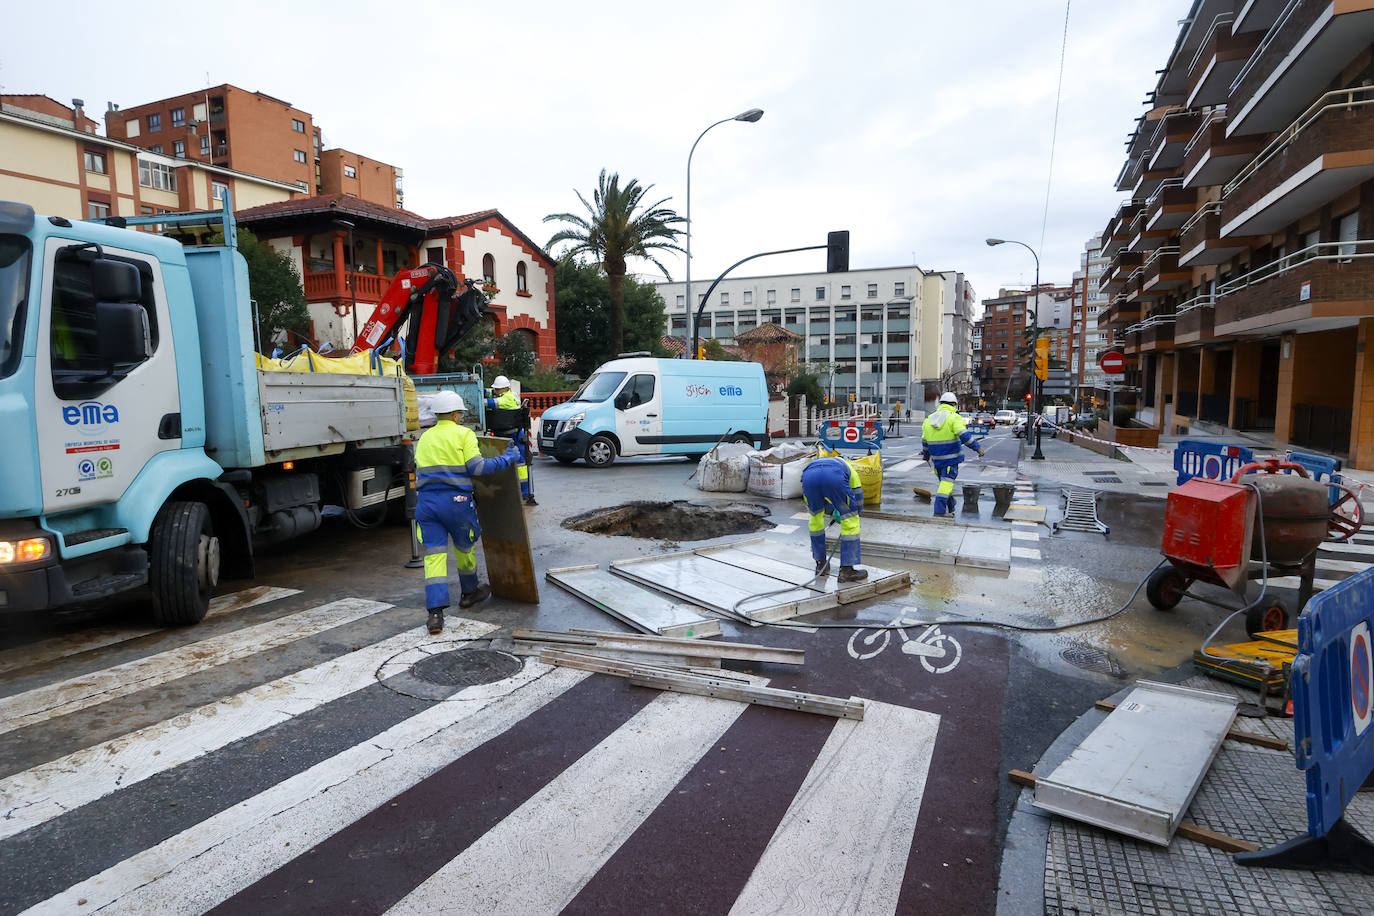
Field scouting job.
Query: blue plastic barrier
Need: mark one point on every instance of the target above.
(867, 434)
(1332, 689)
(1319, 466)
(1208, 460)
(981, 430)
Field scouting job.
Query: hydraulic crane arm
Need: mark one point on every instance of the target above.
(438, 319)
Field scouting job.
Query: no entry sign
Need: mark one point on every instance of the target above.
(1112, 362)
(851, 434)
(1361, 674)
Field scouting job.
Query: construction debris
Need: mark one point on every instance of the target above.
(656, 650)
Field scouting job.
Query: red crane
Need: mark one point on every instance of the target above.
(439, 315)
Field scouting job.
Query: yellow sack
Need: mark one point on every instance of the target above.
(870, 471)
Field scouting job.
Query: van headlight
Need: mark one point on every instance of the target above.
(572, 422)
(25, 551)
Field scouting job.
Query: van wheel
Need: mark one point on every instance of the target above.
(743, 437)
(600, 452)
(184, 559)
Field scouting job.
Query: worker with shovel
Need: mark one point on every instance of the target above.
(831, 485)
(942, 434)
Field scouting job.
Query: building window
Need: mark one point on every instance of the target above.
(97, 210)
(178, 117)
(299, 155)
(521, 278)
(724, 298)
(350, 172)
(1347, 231)
(772, 297)
(899, 289)
(796, 294)
(298, 125)
(488, 268)
(155, 148)
(205, 146)
(95, 162)
(218, 189)
(302, 185)
(154, 123)
(844, 292)
(179, 149)
(873, 291)
(434, 256)
(820, 294)
(682, 302)
(157, 176)
(748, 297)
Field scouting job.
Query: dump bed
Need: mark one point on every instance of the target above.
(307, 414)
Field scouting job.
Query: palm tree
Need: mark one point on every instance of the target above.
(618, 225)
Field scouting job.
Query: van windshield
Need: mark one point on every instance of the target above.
(14, 290)
(599, 387)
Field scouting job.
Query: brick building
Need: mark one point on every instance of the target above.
(1240, 273)
(315, 232)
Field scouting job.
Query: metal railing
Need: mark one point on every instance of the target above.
(1269, 38)
(1358, 249)
(1162, 251)
(1216, 114)
(1211, 208)
(1162, 127)
(1205, 301)
(1336, 100)
(1217, 22)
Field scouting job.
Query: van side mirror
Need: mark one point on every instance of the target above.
(122, 329)
(115, 281)
(622, 400)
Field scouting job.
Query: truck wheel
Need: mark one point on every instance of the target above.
(184, 557)
(1165, 587)
(600, 452)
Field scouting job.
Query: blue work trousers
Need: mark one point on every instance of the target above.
(826, 489)
(947, 471)
(442, 513)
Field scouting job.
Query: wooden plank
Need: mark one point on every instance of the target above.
(1186, 829)
(1274, 744)
(505, 537)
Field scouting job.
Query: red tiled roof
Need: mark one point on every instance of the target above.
(674, 345)
(767, 333)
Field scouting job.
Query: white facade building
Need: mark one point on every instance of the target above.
(1093, 340)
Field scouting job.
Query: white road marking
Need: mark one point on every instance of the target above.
(856, 813)
(574, 824)
(53, 788)
(1025, 553)
(1296, 581)
(904, 466)
(211, 861)
(78, 693)
(1027, 573)
(1350, 566)
(1336, 547)
(1025, 534)
(57, 647)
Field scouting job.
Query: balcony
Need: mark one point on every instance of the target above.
(1150, 180)
(1212, 158)
(1218, 60)
(1310, 43)
(1144, 239)
(1118, 231)
(323, 284)
(1200, 240)
(1324, 286)
(1131, 347)
(1157, 333)
(1257, 16)
(1123, 312)
(1193, 320)
(1170, 206)
(1173, 80)
(1114, 277)
(1171, 134)
(1162, 273)
(1320, 156)
(1130, 172)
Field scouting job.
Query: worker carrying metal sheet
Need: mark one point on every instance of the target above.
(446, 460)
(942, 434)
(502, 399)
(832, 486)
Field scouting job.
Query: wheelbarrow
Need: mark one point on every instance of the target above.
(1209, 536)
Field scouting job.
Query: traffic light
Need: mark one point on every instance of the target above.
(837, 252)
(701, 352)
(1027, 398)
(851, 397)
(1042, 358)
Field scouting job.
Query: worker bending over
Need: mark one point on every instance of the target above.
(942, 433)
(831, 485)
(446, 460)
(502, 399)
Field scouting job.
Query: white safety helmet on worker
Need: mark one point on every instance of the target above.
(949, 397)
(446, 402)
(500, 382)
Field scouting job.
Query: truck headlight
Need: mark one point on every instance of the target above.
(25, 551)
(573, 422)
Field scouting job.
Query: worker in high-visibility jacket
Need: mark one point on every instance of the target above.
(502, 399)
(942, 435)
(832, 486)
(446, 460)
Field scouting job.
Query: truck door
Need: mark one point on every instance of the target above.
(639, 416)
(99, 423)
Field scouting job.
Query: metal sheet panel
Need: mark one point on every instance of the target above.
(1138, 771)
(646, 610)
(505, 538)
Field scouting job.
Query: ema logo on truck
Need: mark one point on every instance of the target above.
(90, 413)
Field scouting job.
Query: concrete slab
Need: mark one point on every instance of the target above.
(1018, 512)
(984, 548)
(933, 541)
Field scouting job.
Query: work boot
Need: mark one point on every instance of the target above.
(852, 574)
(822, 568)
(530, 501)
(436, 621)
(476, 596)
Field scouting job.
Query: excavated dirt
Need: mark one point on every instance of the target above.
(679, 520)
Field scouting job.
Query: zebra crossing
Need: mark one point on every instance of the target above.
(1336, 562)
(324, 789)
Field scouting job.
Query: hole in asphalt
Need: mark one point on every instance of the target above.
(1091, 658)
(678, 520)
(466, 667)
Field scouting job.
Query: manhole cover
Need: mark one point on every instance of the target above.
(1091, 658)
(678, 520)
(433, 673)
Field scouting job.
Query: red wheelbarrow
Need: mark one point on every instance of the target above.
(1209, 528)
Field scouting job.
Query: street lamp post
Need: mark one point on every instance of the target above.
(751, 116)
(1039, 393)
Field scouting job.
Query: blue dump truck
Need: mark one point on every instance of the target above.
(143, 446)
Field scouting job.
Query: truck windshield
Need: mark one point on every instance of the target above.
(14, 291)
(599, 387)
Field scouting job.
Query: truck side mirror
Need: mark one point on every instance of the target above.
(122, 329)
(115, 281)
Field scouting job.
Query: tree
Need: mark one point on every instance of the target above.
(476, 346)
(582, 297)
(804, 383)
(618, 225)
(275, 284)
(716, 350)
(513, 355)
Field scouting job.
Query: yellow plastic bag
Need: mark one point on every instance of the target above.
(870, 470)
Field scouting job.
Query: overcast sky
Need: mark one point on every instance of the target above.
(922, 126)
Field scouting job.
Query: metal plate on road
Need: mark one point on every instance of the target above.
(505, 538)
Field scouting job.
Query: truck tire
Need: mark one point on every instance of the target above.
(184, 558)
(600, 452)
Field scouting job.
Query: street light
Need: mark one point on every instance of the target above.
(751, 116)
(1039, 405)
(351, 264)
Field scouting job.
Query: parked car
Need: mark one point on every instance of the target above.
(1005, 417)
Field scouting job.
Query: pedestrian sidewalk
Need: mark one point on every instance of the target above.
(1072, 465)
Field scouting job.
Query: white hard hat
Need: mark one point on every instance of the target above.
(445, 402)
(949, 397)
(500, 382)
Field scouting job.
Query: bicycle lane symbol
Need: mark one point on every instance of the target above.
(938, 651)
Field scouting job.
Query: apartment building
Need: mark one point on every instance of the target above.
(1090, 341)
(52, 159)
(256, 133)
(1002, 376)
(1240, 273)
(950, 348)
(864, 329)
(348, 250)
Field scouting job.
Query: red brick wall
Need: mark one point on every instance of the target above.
(373, 180)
